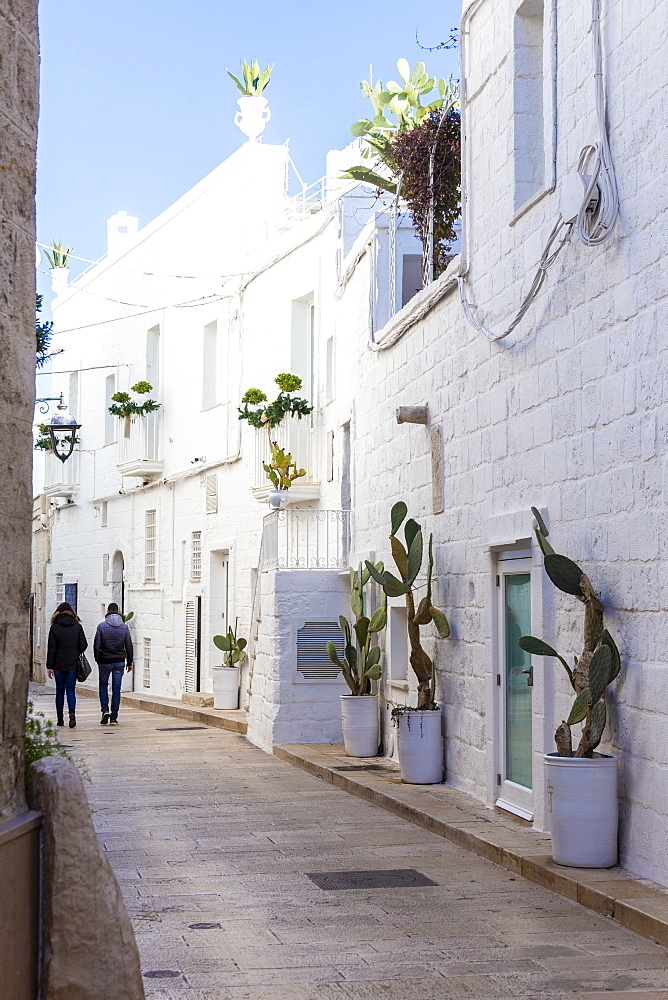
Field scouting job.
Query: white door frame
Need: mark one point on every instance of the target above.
(511, 796)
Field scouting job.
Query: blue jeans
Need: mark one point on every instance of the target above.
(66, 680)
(116, 670)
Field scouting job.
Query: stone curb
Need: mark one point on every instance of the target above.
(639, 905)
(233, 721)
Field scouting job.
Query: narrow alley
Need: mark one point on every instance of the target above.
(213, 841)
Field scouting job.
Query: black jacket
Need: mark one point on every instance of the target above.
(112, 643)
(66, 642)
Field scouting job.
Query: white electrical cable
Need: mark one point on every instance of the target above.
(600, 203)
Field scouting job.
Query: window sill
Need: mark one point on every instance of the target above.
(397, 685)
(530, 202)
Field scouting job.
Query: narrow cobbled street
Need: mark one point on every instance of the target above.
(212, 841)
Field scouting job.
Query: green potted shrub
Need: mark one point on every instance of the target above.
(253, 112)
(360, 665)
(226, 676)
(58, 257)
(581, 782)
(127, 408)
(281, 472)
(420, 736)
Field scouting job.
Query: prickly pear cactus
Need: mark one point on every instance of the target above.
(599, 663)
(361, 659)
(408, 560)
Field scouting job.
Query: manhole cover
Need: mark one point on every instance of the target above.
(176, 729)
(204, 927)
(162, 974)
(360, 767)
(393, 878)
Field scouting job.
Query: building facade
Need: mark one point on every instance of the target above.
(566, 412)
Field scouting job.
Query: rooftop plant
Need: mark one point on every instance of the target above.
(57, 255)
(415, 147)
(599, 663)
(361, 659)
(254, 79)
(408, 559)
(124, 406)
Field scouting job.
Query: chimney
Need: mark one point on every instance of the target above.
(121, 229)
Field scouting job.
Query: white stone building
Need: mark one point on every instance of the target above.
(567, 413)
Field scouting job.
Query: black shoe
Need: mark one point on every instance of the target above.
(73, 720)
(61, 721)
(114, 721)
(105, 718)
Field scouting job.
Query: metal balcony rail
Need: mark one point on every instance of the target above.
(298, 538)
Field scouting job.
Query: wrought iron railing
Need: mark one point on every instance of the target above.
(297, 538)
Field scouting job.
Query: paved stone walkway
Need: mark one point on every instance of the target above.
(211, 838)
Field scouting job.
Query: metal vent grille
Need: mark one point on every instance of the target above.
(392, 878)
(313, 663)
(212, 494)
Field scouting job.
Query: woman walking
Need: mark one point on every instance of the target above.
(66, 643)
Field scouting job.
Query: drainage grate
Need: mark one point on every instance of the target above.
(204, 927)
(392, 878)
(360, 767)
(177, 729)
(162, 974)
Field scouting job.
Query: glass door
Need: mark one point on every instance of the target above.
(515, 685)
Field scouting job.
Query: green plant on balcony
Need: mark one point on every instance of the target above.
(265, 415)
(361, 658)
(281, 471)
(599, 663)
(415, 151)
(254, 79)
(408, 559)
(125, 407)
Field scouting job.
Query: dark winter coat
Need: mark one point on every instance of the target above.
(112, 643)
(66, 642)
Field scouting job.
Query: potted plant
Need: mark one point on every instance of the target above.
(58, 257)
(126, 408)
(281, 472)
(420, 737)
(360, 665)
(226, 677)
(581, 783)
(254, 113)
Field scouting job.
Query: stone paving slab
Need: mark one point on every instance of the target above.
(205, 828)
(638, 904)
(235, 721)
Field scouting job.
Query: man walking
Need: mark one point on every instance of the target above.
(112, 647)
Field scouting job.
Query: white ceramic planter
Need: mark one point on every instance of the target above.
(360, 724)
(278, 499)
(59, 279)
(420, 747)
(253, 115)
(225, 687)
(583, 809)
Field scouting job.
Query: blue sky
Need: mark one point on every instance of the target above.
(136, 104)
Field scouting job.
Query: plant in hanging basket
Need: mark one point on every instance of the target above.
(599, 663)
(408, 559)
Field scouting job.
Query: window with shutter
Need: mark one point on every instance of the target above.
(212, 494)
(191, 646)
(147, 663)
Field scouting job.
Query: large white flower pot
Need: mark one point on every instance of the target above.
(278, 499)
(252, 116)
(225, 687)
(582, 803)
(360, 724)
(420, 746)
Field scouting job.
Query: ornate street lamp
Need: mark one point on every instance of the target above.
(62, 431)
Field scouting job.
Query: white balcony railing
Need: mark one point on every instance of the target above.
(306, 539)
(298, 437)
(139, 453)
(61, 479)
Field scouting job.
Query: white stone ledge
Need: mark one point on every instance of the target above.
(415, 310)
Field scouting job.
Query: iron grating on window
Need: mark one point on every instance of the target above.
(313, 662)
